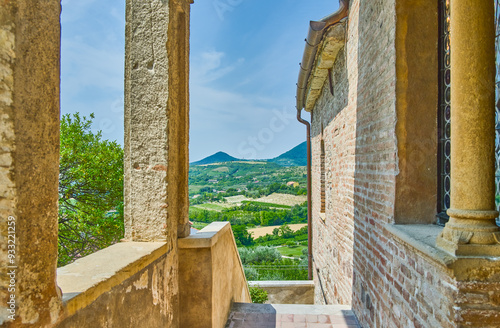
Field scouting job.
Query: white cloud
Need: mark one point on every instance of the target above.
(225, 120)
(209, 66)
(73, 10)
(92, 62)
(86, 65)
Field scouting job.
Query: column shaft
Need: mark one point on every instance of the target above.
(156, 120)
(472, 212)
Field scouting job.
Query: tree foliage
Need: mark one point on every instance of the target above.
(259, 254)
(266, 263)
(242, 236)
(251, 214)
(90, 190)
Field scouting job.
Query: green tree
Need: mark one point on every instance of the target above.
(285, 231)
(90, 190)
(242, 236)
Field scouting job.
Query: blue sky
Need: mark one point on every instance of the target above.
(244, 66)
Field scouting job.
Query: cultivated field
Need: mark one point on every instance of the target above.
(294, 252)
(259, 232)
(283, 199)
(236, 199)
(211, 206)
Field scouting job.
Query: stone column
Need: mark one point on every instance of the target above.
(156, 120)
(471, 229)
(29, 162)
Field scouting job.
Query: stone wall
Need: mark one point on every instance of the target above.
(333, 230)
(376, 155)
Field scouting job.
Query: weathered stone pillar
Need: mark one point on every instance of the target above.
(471, 229)
(29, 162)
(156, 120)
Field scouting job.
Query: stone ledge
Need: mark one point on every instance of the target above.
(84, 280)
(322, 216)
(422, 239)
(206, 237)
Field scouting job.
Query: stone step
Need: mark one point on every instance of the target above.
(248, 315)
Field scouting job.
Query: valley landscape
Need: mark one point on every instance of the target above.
(266, 203)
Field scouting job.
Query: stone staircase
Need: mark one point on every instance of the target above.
(249, 315)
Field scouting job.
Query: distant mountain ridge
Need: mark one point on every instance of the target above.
(296, 156)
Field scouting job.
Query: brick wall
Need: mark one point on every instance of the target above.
(333, 232)
(356, 260)
(396, 287)
(375, 162)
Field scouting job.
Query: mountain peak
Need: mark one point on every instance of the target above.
(296, 156)
(218, 157)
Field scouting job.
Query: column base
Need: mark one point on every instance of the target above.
(470, 233)
(457, 249)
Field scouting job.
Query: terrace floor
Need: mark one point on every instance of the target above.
(245, 315)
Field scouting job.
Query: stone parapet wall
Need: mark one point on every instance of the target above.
(287, 292)
(125, 285)
(128, 284)
(211, 277)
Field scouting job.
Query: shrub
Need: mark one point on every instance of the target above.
(259, 254)
(258, 295)
(251, 274)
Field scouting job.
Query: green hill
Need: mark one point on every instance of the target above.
(296, 156)
(219, 157)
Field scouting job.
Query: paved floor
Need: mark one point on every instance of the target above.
(244, 315)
